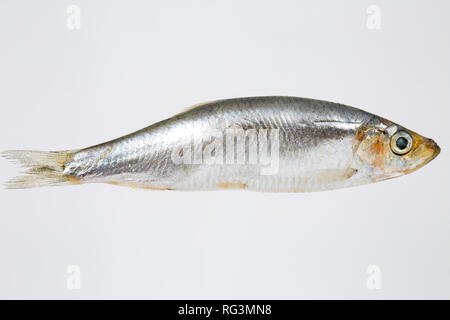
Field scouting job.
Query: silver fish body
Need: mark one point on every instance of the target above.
(271, 144)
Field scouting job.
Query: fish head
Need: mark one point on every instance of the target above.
(386, 150)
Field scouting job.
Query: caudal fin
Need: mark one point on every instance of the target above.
(44, 168)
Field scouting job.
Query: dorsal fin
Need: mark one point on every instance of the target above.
(195, 106)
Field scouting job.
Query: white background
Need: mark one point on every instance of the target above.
(133, 63)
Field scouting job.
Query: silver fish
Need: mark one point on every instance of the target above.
(270, 144)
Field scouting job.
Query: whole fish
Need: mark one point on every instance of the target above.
(270, 144)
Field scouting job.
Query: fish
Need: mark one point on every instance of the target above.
(267, 144)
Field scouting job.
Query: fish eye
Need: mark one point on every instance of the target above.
(401, 142)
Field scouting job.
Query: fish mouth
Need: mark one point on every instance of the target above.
(432, 150)
(425, 152)
(436, 149)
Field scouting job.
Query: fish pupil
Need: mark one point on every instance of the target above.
(401, 143)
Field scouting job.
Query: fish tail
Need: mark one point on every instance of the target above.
(43, 168)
